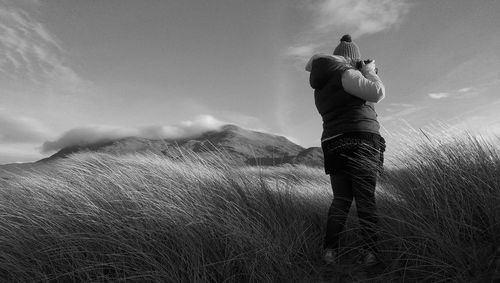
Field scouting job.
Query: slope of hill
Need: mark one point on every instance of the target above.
(245, 147)
(312, 156)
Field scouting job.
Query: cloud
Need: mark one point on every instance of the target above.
(360, 16)
(19, 129)
(356, 17)
(17, 153)
(405, 105)
(438, 95)
(31, 53)
(399, 111)
(94, 134)
(462, 93)
(243, 120)
(25, 3)
(302, 51)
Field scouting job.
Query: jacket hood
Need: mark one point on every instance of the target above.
(323, 67)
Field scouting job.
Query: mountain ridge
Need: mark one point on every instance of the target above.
(245, 147)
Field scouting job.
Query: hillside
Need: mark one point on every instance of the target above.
(244, 147)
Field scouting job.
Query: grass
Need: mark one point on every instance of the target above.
(144, 218)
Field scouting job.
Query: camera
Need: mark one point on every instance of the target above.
(359, 65)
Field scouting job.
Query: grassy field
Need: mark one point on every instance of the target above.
(144, 218)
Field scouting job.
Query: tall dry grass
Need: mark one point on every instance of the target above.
(96, 217)
(442, 221)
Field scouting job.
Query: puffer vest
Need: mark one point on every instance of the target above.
(341, 112)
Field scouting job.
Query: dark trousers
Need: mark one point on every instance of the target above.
(345, 189)
(353, 174)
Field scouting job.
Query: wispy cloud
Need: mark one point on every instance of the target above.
(399, 111)
(461, 93)
(360, 16)
(16, 153)
(301, 51)
(20, 129)
(356, 17)
(438, 95)
(403, 105)
(25, 3)
(31, 53)
(93, 134)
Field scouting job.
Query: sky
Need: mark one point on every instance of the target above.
(79, 71)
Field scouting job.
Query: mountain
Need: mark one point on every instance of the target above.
(312, 157)
(245, 147)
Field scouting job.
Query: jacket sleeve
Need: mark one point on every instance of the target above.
(368, 87)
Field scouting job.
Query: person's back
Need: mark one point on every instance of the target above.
(351, 142)
(341, 111)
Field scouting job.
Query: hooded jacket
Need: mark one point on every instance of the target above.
(344, 96)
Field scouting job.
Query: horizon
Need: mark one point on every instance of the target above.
(73, 71)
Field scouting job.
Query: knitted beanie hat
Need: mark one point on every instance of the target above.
(347, 48)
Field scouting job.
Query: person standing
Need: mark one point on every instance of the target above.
(351, 142)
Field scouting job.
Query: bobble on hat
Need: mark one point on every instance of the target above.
(347, 48)
(346, 38)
